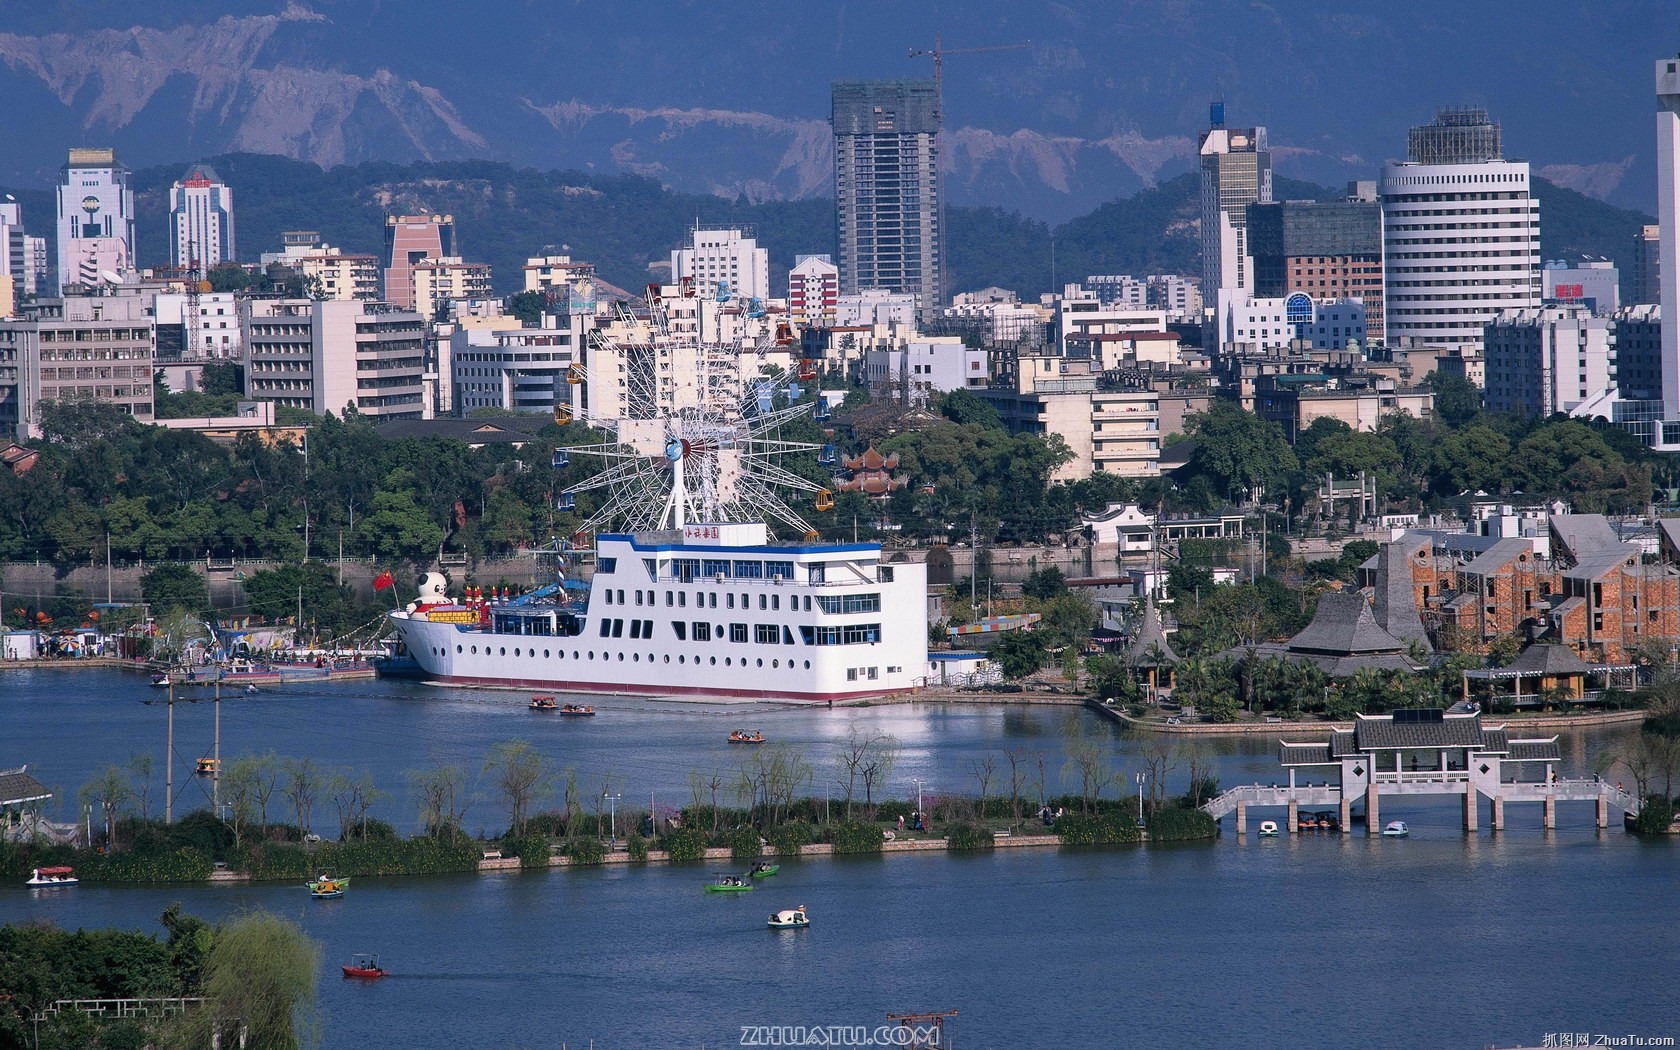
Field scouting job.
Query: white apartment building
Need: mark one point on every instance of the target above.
(1593, 283)
(1247, 324)
(439, 282)
(95, 218)
(1461, 232)
(518, 369)
(82, 348)
(876, 306)
(1548, 359)
(333, 273)
(1236, 172)
(200, 220)
(1108, 431)
(723, 261)
(205, 325)
(912, 369)
(1079, 314)
(813, 291)
(22, 258)
(324, 355)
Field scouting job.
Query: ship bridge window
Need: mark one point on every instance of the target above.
(652, 569)
(607, 565)
(685, 569)
(884, 573)
(749, 570)
(779, 570)
(714, 567)
(818, 572)
(850, 603)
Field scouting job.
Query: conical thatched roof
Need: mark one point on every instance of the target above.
(1150, 648)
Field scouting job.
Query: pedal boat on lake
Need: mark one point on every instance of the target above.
(729, 884)
(764, 869)
(577, 710)
(1268, 829)
(364, 966)
(544, 703)
(1396, 829)
(741, 736)
(792, 919)
(44, 878)
(327, 888)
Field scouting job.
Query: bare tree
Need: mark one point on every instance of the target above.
(860, 752)
(1160, 758)
(1096, 772)
(878, 767)
(1203, 784)
(239, 796)
(1017, 780)
(140, 782)
(522, 775)
(441, 793)
(302, 787)
(983, 769)
(353, 796)
(265, 781)
(1038, 763)
(106, 792)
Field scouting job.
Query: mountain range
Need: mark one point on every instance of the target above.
(1052, 108)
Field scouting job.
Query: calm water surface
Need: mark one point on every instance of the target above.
(1440, 940)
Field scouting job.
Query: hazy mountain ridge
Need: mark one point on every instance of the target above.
(1106, 100)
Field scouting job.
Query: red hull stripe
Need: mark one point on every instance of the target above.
(622, 689)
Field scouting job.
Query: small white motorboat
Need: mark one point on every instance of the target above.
(41, 878)
(1396, 829)
(1268, 829)
(792, 919)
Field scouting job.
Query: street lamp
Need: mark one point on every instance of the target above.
(1139, 778)
(612, 818)
(918, 784)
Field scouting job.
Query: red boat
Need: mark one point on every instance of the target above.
(365, 966)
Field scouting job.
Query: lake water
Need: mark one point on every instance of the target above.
(1439, 940)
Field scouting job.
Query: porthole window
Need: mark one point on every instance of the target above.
(729, 661)
(516, 650)
(714, 661)
(475, 650)
(637, 658)
(807, 665)
(503, 651)
(458, 649)
(774, 663)
(620, 657)
(761, 661)
(592, 654)
(667, 657)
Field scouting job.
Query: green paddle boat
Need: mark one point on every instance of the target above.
(763, 870)
(730, 884)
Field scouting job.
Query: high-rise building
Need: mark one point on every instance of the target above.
(408, 239)
(1236, 172)
(1644, 280)
(327, 355)
(95, 218)
(1327, 250)
(723, 260)
(79, 348)
(1668, 251)
(23, 259)
(813, 291)
(1461, 232)
(888, 203)
(200, 220)
(1588, 280)
(438, 282)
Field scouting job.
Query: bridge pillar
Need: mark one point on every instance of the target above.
(1549, 809)
(1603, 811)
(1472, 803)
(1346, 815)
(1373, 818)
(1242, 818)
(1294, 816)
(1499, 812)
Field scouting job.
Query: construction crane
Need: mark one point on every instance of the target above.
(939, 52)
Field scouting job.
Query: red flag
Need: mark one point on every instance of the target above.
(383, 580)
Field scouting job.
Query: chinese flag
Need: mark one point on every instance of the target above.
(383, 580)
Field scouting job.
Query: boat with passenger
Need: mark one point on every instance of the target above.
(1268, 829)
(743, 736)
(789, 919)
(730, 884)
(544, 703)
(364, 966)
(577, 710)
(1396, 829)
(764, 869)
(46, 878)
(327, 888)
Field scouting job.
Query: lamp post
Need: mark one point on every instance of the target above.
(917, 781)
(612, 818)
(1139, 778)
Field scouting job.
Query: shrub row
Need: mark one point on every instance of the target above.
(1078, 829)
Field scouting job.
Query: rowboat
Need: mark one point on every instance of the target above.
(364, 966)
(730, 884)
(764, 869)
(577, 709)
(741, 736)
(544, 703)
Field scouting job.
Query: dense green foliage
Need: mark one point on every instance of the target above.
(1096, 829)
(744, 844)
(1173, 824)
(418, 856)
(966, 835)
(685, 844)
(855, 836)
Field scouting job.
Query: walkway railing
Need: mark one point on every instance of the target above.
(163, 1007)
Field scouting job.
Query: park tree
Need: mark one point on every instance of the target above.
(522, 775)
(259, 987)
(1457, 401)
(1018, 653)
(441, 792)
(1241, 452)
(175, 588)
(1044, 583)
(105, 795)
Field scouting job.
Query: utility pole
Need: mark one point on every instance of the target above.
(612, 816)
(216, 774)
(169, 760)
(297, 636)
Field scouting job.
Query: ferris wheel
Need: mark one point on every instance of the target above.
(695, 426)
